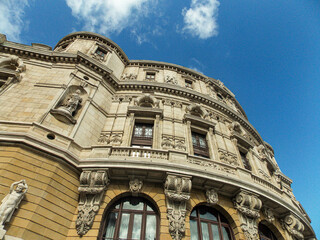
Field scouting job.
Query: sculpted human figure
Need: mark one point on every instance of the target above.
(73, 102)
(12, 200)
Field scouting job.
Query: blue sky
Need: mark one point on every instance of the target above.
(267, 52)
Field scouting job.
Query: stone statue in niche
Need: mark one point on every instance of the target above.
(69, 107)
(12, 201)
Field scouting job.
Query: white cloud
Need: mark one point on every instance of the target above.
(201, 18)
(11, 22)
(109, 16)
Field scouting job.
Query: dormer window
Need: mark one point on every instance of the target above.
(150, 76)
(188, 84)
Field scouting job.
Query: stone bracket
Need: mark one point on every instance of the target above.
(248, 205)
(177, 190)
(293, 225)
(93, 184)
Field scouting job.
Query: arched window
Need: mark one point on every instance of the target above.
(131, 218)
(208, 224)
(265, 233)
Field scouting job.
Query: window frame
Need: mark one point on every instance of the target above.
(197, 149)
(244, 159)
(142, 140)
(218, 223)
(262, 228)
(145, 212)
(149, 73)
(188, 83)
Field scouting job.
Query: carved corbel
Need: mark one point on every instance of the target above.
(212, 196)
(93, 184)
(248, 206)
(293, 226)
(177, 190)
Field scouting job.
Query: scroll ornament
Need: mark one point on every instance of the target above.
(248, 206)
(93, 184)
(177, 190)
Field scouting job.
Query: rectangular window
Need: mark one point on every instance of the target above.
(245, 161)
(200, 146)
(100, 52)
(142, 134)
(188, 84)
(150, 76)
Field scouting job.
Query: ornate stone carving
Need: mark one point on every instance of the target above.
(264, 174)
(180, 144)
(167, 141)
(248, 206)
(129, 76)
(212, 196)
(293, 226)
(171, 80)
(268, 214)
(15, 63)
(110, 138)
(197, 110)
(135, 185)
(214, 166)
(235, 127)
(12, 201)
(146, 100)
(228, 157)
(93, 184)
(177, 190)
(171, 142)
(262, 152)
(66, 111)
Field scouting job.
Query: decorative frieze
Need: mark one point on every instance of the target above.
(214, 166)
(212, 196)
(171, 80)
(129, 76)
(248, 206)
(93, 184)
(113, 138)
(228, 157)
(177, 190)
(172, 142)
(293, 225)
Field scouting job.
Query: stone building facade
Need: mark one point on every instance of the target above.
(113, 148)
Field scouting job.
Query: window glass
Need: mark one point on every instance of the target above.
(136, 230)
(215, 233)
(133, 205)
(194, 230)
(130, 218)
(111, 225)
(208, 216)
(205, 231)
(138, 131)
(225, 233)
(123, 232)
(205, 224)
(151, 227)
